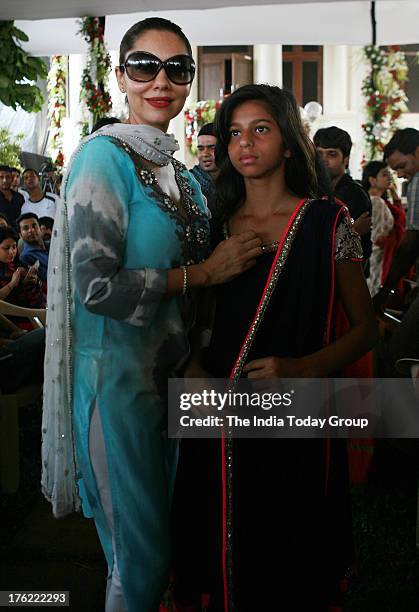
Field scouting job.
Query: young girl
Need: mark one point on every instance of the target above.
(388, 222)
(18, 285)
(274, 513)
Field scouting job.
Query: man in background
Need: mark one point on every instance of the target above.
(334, 146)
(41, 203)
(33, 246)
(46, 225)
(402, 155)
(15, 179)
(206, 171)
(11, 202)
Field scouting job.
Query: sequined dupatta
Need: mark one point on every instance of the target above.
(278, 264)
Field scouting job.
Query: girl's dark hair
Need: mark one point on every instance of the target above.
(151, 23)
(8, 232)
(305, 174)
(371, 170)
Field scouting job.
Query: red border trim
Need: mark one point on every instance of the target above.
(278, 252)
(327, 338)
(223, 451)
(332, 284)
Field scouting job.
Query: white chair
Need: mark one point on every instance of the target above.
(37, 316)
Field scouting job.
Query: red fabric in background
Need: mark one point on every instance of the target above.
(360, 450)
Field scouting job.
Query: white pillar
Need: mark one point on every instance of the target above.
(356, 74)
(267, 64)
(335, 79)
(76, 63)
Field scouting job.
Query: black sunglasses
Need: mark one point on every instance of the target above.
(144, 67)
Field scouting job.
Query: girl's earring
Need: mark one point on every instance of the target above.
(126, 100)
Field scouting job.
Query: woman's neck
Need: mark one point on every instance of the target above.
(133, 120)
(374, 191)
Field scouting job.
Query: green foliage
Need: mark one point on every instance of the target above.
(18, 70)
(10, 148)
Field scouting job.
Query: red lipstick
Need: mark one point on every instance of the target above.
(159, 102)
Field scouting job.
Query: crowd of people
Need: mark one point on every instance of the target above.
(260, 262)
(26, 220)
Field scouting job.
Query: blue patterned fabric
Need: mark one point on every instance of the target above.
(129, 337)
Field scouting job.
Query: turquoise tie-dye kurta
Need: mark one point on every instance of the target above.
(129, 337)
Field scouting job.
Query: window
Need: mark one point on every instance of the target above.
(302, 72)
(223, 69)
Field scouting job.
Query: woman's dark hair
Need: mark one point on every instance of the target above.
(151, 23)
(8, 232)
(305, 174)
(100, 123)
(370, 171)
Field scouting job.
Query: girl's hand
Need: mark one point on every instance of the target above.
(17, 276)
(31, 277)
(278, 367)
(232, 257)
(393, 192)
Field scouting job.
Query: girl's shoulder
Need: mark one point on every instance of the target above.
(328, 207)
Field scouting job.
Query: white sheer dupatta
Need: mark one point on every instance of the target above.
(59, 460)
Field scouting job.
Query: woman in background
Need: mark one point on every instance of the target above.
(388, 221)
(18, 285)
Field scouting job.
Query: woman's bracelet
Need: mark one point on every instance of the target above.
(185, 279)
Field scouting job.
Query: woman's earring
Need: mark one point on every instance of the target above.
(126, 100)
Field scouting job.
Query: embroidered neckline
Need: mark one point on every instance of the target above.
(192, 229)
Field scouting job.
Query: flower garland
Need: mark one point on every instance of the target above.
(57, 83)
(196, 116)
(95, 76)
(385, 97)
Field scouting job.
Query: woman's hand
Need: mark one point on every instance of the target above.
(278, 367)
(229, 259)
(393, 192)
(232, 257)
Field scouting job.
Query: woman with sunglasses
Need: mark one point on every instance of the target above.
(130, 247)
(273, 513)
